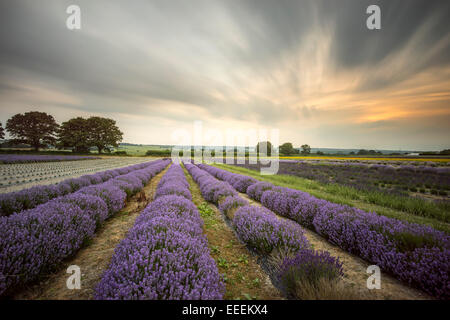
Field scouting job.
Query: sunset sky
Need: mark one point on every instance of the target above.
(311, 69)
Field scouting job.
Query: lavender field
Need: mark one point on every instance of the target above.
(14, 158)
(422, 190)
(14, 177)
(171, 249)
(37, 237)
(416, 254)
(401, 179)
(260, 155)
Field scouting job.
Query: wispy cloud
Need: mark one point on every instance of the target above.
(310, 68)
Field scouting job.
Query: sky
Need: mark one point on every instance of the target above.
(310, 69)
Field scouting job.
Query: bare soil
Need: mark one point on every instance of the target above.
(94, 258)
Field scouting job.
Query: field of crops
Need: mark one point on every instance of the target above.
(175, 247)
(418, 190)
(41, 232)
(13, 158)
(399, 179)
(416, 254)
(18, 176)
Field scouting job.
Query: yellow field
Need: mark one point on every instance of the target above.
(442, 160)
(374, 158)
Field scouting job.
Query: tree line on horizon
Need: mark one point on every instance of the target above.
(39, 129)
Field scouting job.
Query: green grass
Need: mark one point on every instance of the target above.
(137, 150)
(207, 214)
(382, 204)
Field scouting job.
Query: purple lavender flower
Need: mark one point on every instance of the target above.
(15, 158)
(92, 206)
(156, 264)
(262, 230)
(256, 190)
(308, 266)
(416, 254)
(173, 188)
(175, 206)
(29, 198)
(174, 183)
(113, 196)
(238, 181)
(232, 202)
(36, 241)
(165, 255)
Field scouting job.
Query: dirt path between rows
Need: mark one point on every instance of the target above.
(245, 279)
(355, 270)
(93, 259)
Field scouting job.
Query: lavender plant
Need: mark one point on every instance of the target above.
(385, 184)
(256, 190)
(14, 158)
(239, 182)
(416, 254)
(260, 229)
(165, 255)
(232, 202)
(308, 268)
(36, 241)
(29, 198)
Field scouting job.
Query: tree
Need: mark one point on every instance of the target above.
(287, 148)
(2, 131)
(363, 152)
(265, 146)
(368, 152)
(75, 133)
(103, 132)
(34, 128)
(306, 149)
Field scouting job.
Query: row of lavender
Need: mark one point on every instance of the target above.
(14, 158)
(256, 226)
(425, 166)
(416, 254)
(399, 179)
(36, 241)
(165, 255)
(267, 234)
(25, 199)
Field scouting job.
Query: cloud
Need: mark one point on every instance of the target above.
(310, 68)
